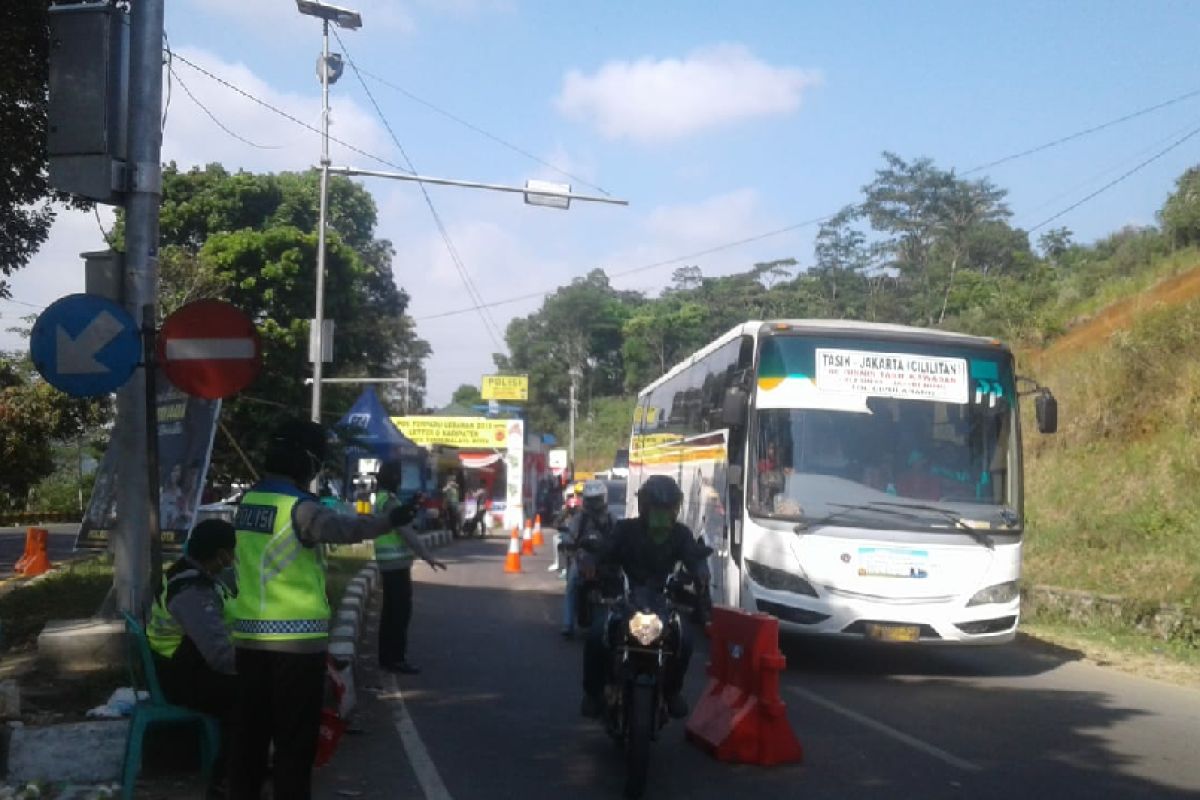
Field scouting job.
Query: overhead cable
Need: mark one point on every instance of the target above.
(473, 293)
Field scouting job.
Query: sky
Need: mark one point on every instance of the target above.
(718, 122)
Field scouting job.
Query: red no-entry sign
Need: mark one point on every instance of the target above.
(209, 349)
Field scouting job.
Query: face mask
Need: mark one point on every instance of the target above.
(659, 524)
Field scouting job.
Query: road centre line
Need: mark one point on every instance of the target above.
(422, 763)
(887, 730)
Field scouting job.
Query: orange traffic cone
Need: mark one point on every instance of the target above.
(38, 561)
(538, 541)
(512, 562)
(527, 540)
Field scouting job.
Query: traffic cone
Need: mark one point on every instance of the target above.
(39, 561)
(527, 540)
(512, 562)
(538, 541)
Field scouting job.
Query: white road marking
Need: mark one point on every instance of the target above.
(887, 730)
(422, 763)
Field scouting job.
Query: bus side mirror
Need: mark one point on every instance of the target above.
(735, 407)
(1046, 410)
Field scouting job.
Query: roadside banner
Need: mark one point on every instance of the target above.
(470, 432)
(186, 427)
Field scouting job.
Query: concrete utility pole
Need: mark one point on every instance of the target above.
(575, 374)
(137, 490)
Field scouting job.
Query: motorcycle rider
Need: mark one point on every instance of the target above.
(646, 549)
(594, 522)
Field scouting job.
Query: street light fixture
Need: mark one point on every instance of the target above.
(329, 70)
(342, 17)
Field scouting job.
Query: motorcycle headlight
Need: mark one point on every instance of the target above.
(646, 628)
(999, 593)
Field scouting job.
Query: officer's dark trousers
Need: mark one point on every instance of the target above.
(187, 681)
(395, 615)
(279, 703)
(596, 658)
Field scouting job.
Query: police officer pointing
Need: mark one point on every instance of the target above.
(281, 613)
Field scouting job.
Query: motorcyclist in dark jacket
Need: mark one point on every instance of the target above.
(646, 549)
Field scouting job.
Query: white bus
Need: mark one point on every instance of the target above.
(854, 479)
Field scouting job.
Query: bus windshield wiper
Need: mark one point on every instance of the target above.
(975, 533)
(849, 508)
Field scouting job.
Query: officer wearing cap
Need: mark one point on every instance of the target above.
(281, 614)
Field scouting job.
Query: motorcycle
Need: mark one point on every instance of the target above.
(643, 631)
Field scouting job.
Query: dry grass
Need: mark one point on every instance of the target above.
(1111, 498)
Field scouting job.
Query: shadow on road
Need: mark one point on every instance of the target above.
(497, 706)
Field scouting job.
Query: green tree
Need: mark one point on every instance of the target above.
(250, 239)
(27, 203)
(1180, 215)
(33, 417)
(578, 327)
(466, 395)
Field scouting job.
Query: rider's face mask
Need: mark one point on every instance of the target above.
(659, 522)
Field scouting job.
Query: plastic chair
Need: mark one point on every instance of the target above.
(155, 711)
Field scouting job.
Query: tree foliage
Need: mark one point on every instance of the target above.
(251, 239)
(33, 417)
(27, 203)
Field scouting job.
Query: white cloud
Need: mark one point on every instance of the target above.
(651, 100)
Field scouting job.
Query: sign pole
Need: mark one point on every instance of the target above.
(136, 506)
(156, 550)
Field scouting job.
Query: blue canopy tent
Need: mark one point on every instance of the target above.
(369, 433)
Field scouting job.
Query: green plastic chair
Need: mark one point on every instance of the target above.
(155, 711)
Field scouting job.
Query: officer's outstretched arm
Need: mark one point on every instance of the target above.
(316, 524)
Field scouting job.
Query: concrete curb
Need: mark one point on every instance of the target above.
(1167, 622)
(351, 615)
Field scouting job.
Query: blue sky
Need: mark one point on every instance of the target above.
(717, 121)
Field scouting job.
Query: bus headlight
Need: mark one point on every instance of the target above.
(646, 628)
(1000, 593)
(778, 579)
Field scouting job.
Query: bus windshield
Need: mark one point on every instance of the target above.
(877, 433)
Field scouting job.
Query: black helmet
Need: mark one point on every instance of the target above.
(661, 492)
(297, 449)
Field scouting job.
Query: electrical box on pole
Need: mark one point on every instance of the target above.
(88, 107)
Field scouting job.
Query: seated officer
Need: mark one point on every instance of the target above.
(193, 651)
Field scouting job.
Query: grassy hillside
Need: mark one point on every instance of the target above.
(1112, 497)
(600, 430)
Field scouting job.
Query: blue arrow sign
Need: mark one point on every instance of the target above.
(85, 345)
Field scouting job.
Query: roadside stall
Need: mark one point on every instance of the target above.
(372, 439)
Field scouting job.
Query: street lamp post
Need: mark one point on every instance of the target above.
(343, 18)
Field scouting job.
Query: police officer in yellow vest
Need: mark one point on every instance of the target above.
(188, 634)
(281, 613)
(394, 552)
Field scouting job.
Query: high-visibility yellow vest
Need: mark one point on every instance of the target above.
(281, 602)
(163, 631)
(391, 550)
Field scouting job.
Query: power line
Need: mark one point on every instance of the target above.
(213, 117)
(473, 293)
(1085, 132)
(275, 110)
(645, 267)
(486, 134)
(1118, 179)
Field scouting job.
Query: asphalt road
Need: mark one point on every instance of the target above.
(60, 547)
(495, 715)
